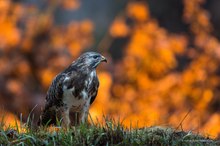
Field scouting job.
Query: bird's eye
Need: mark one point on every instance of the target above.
(95, 57)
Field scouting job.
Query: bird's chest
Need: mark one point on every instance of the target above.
(71, 101)
(76, 94)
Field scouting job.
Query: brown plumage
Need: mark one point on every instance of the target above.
(72, 92)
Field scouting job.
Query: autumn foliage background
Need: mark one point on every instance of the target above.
(161, 66)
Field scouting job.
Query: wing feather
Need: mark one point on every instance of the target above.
(53, 100)
(93, 89)
(55, 91)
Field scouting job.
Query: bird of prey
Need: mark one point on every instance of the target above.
(72, 92)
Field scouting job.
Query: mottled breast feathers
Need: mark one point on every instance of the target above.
(71, 79)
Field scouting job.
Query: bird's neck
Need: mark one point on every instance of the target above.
(86, 69)
(79, 68)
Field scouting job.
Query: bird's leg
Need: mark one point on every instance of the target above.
(83, 115)
(74, 117)
(65, 118)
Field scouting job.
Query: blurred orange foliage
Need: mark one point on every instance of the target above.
(9, 120)
(148, 88)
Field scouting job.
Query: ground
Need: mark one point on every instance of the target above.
(108, 133)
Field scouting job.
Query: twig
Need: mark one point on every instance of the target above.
(180, 125)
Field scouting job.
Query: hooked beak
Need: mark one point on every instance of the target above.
(103, 59)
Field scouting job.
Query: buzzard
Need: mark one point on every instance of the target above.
(72, 92)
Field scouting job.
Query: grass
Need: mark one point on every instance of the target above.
(109, 133)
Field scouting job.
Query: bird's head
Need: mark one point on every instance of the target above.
(91, 59)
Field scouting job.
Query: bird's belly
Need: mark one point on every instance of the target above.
(72, 102)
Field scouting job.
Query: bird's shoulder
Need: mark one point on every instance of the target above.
(55, 90)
